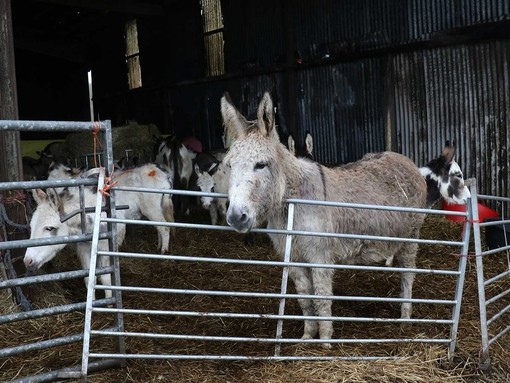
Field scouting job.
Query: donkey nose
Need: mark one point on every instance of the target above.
(29, 261)
(31, 265)
(239, 219)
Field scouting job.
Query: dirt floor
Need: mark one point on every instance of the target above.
(416, 363)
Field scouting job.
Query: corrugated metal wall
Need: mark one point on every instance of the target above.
(457, 93)
(423, 96)
(342, 106)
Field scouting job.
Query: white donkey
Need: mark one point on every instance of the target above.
(214, 181)
(264, 173)
(51, 206)
(45, 223)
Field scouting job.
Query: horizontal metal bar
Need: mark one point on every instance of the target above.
(497, 297)
(499, 335)
(302, 201)
(52, 277)
(497, 277)
(493, 198)
(44, 184)
(35, 242)
(284, 232)
(375, 207)
(185, 258)
(268, 340)
(494, 251)
(272, 295)
(495, 223)
(45, 241)
(51, 126)
(239, 357)
(69, 372)
(498, 315)
(27, 347)
(269, 316)
(161, 191)
(90, 209)
(56, 310)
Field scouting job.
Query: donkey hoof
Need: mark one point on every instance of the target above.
(326, 346)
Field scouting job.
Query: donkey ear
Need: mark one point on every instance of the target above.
(233, 121)
(197, 169)
(292, 145)
(309, 143)
(265, 115)
(449, 151)
(39, 195)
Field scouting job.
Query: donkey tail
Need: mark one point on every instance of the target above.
(167, 207)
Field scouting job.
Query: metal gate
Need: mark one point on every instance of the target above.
(275, 343)
(14, 319)
(493, 284)
(269, 302)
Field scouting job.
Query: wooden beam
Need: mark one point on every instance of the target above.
(73, 52)
(133, 7)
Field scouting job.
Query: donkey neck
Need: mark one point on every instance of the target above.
(303, 178)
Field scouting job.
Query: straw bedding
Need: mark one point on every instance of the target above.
(417, 363)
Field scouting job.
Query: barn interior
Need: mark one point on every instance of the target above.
(360, 75)
(366, 77)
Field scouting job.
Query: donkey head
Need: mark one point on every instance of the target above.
(445, 179)
(45, 223)
(256, 183)
(300, 151)
(205, 182)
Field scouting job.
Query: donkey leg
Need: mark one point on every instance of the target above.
(323, 285)
(213, 212)
(104, 261)
(407, 258)
(303, 284)
(164, 235)
(83, 250)
(222, 211)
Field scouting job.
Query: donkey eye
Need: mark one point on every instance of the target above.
(260, 165)
(49, 228)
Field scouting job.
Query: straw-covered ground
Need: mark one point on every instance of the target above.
(417, 363)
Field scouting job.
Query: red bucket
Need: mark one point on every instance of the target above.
(483, 211)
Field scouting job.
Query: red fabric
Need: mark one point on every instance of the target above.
(193, 143)
(483, 212)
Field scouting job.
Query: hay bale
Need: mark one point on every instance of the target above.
(135, 137)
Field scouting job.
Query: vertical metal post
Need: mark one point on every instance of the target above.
(285, 277)
(484, 356)
(113, 243)
(459, 288)
(92, 281)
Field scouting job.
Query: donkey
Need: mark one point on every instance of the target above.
(214, 180)
(153, 206)
(45, 221)
(176, 158)
(264, 173)
(445, 179)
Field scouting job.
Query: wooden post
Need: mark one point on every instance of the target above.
(10, 155)
(10, 152)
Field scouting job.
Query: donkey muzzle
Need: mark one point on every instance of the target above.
(239, 219)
